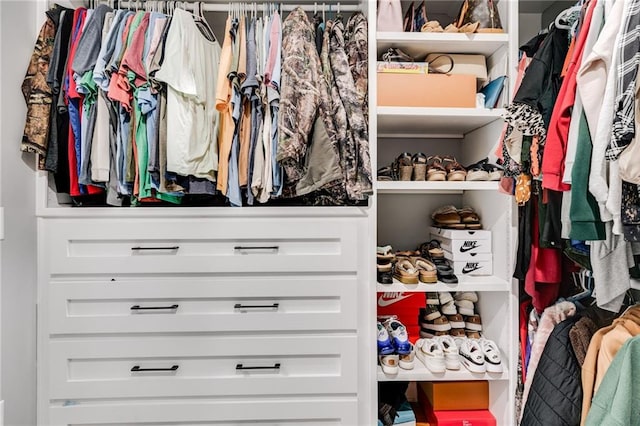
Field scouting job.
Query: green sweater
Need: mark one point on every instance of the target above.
(617, 402)
(584, 212)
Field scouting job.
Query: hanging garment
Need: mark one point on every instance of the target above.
(37, 94)
(603, 62)
(555, 394)
(83, 64)
(623, 129)
(580, 337)
(223, 105)
(57, 161)
(617, 401)
(597, 21)
(355, 156)
(551, 316)
(596, 363)
(304, 97)
(356, 34)
(532, 106)
(189, 69)
(557, 134)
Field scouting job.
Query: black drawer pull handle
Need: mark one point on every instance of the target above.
(153, 308)
(241, 306)
(136, 369)
(154, 248)
(275, 366)
(243, 248)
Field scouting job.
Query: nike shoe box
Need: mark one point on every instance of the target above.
(471, 264)
(462, 244)
(405, 306)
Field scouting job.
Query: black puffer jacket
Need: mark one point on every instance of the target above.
(555, 398)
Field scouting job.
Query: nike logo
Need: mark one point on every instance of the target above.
(387, 299)
(468, 245)
(470, 267)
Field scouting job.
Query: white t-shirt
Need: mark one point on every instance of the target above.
(190, 69)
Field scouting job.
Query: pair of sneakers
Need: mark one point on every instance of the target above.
(438, 354)
(395, 351)
(479, 355)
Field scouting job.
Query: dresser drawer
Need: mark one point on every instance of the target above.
(212, 304)
(122, 246)
(265, 412)
(202, 366)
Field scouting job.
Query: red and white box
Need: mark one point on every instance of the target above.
(405, 306)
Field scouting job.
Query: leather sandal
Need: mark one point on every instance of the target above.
(469, 218)
(404, 166)
(435, 169)
(385, 173)
(428, 273)
(447, 217)
(477, 172)
(419, 167)
(432, 250)
(432, 27)
(445, 272)
(455, 171)
(405, 272)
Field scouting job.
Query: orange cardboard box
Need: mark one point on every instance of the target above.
(443, 396)
(426, 90)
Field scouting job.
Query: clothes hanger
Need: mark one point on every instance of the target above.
(585, 282)
(564, 15)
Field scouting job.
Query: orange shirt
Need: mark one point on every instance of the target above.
(223, 105)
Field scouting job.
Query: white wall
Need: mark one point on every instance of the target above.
(529, 25)
(18, 31)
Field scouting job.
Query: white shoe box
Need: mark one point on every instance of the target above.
(460, 250)
(480, 264)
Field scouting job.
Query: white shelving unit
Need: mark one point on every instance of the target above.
(453, 122)
(488, 283)
(420, 373)
(427, 187)
(403, 209)
(415, 44)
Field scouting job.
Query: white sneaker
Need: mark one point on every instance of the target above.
(492, 358)
(430, 352)
(451, 353)
(407, 361)
(399, 337)
(471, 355)
(389, 364)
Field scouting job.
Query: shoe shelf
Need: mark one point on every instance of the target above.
(421, 373)
(434, 187)
(418, 44)
(487, 283)
(454, 122)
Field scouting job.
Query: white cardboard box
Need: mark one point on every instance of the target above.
(468, 257)
(460, 234)
(464, 249)
(472, 268)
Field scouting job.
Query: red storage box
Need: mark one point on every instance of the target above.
(406, 307)
(462, 418)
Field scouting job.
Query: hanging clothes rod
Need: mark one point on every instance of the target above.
(286, 7)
